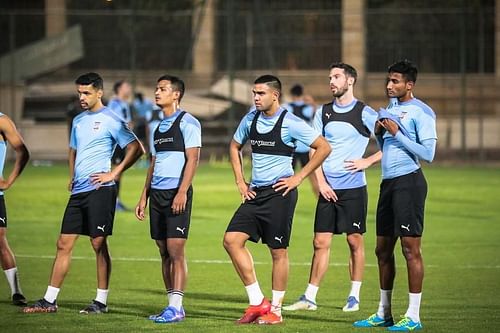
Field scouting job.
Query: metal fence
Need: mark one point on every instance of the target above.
(450, 40)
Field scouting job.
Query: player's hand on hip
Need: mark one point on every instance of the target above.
(179, 203)
(327, 192)
(356, 165)
(70, 185)
(246, 191)
(98, 179)
(287, 184)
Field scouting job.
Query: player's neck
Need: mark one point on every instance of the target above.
(345, 99)
(169, 110)
(272, 110)
(97, 107)
(407, 97)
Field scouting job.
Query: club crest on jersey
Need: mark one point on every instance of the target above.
(97, 126)
(262, 143)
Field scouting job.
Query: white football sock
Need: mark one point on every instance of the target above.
(176, 299)
(277, 301)
(255, 295)
(413, 311)
(13, 279)
(355, 288)
(384, 306)
(51, 294)
(311, 292)
(169, 293)
(102, 296)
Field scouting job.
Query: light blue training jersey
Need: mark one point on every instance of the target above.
(169, 165)
(347, 144)
(268, 169)
(307, 113)
(121, 108)
(419, 121)
(94, 136)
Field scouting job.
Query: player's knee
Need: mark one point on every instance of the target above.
(355, 243)
(230, 243)
(411, 253)
(99, 244)
(383, 255)
(321, 243)
(279, 254)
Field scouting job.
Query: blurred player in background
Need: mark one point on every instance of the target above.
(269, 200)
(141, 107)
(176, 152)
(346, 124)
(119, 104)
(153, 119)
(91, 207)
(406, 133)
(304, 111)
(10, 135)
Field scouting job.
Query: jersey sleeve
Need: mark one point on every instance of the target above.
(122, 134)
(191, 131)
(243, 130)
(299, 130)
(318, 121)
(369, 118)
(426, 126)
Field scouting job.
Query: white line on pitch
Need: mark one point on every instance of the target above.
(216, 261)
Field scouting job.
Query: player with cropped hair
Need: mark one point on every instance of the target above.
(406, 133)
(269, 200)
(347, 124)
(176, 152)
(91, 207)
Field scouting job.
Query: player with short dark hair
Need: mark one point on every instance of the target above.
(91, 207)
(176, 152)
(10, 135)
(347, 124)
(269, 200)
(406, 133)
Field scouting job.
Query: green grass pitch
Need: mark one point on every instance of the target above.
(460, 247)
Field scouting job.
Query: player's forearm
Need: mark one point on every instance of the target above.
(236, 163)
(374, 158)
(22, 158)
(320, 176)
(149, 178)
(424, 151)
(71, 163)
(322, 150)
(192, 161)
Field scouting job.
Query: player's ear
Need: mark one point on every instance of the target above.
(100, 93)
(276, 95)
(410, 85)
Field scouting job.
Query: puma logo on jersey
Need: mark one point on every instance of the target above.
(279, 239)
(101, 227)
(407, 227)
(97, 125)
(357, 225)
(180, 229)
(328, 115)
(2, 219)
